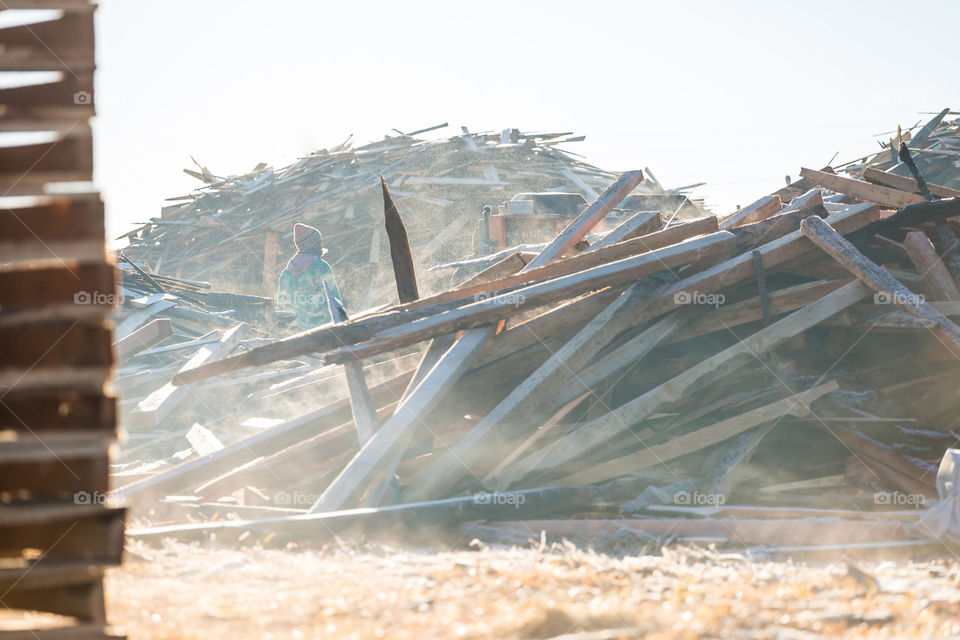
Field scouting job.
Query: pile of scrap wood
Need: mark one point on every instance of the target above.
(782, 375)
(237, 231)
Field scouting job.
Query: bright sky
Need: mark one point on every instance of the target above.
(732, 93)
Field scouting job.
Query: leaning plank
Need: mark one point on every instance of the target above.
(133, 321)
(639, 224)
(380, 455)
(781, 301)
(887, 287)
(624, 417)
(795, 405)
(904, 183)
(924, 257)
(762, 209)
(148, 335)
(862, 190)
(812, 198)
(158, 405)
(364, 411)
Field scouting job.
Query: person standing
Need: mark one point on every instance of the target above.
(300, 288)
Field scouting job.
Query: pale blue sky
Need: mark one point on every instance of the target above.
(735, 94)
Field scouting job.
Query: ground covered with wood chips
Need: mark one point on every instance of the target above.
(560, 590)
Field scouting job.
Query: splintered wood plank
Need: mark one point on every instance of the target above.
(158, 405)
(924, 257)
(862, 190)
(150, 334)
(795, 405)
(903, 183)
(762, 209)
(889, 290)
(626, 416)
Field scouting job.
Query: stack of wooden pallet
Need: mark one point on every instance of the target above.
(791, 360)
(57, 533)
(237, 231)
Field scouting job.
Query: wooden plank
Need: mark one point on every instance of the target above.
(624, 417)
(588, 218)
(150, 334)
(794, 405)
(130, 324)
(924, 257)
(809, 200)
(862, 190)
(889, 290)
(364, 411)
(762, 209)
(155, 408)
(903, 183)
(639, 224)
(403, 271)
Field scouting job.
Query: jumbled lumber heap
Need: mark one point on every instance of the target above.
(236, 231)
(787, 371)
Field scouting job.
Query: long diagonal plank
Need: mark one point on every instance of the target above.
(379, 455)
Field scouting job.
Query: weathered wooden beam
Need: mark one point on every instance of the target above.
(924, 257)
(639, 224)
(150, 334)
(762, 209)
(161, 403)
(400, 255)
(889, 290)
(862, 190)
(903, 183)
(364, 411)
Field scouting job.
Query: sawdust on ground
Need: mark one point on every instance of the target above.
(185, 592)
